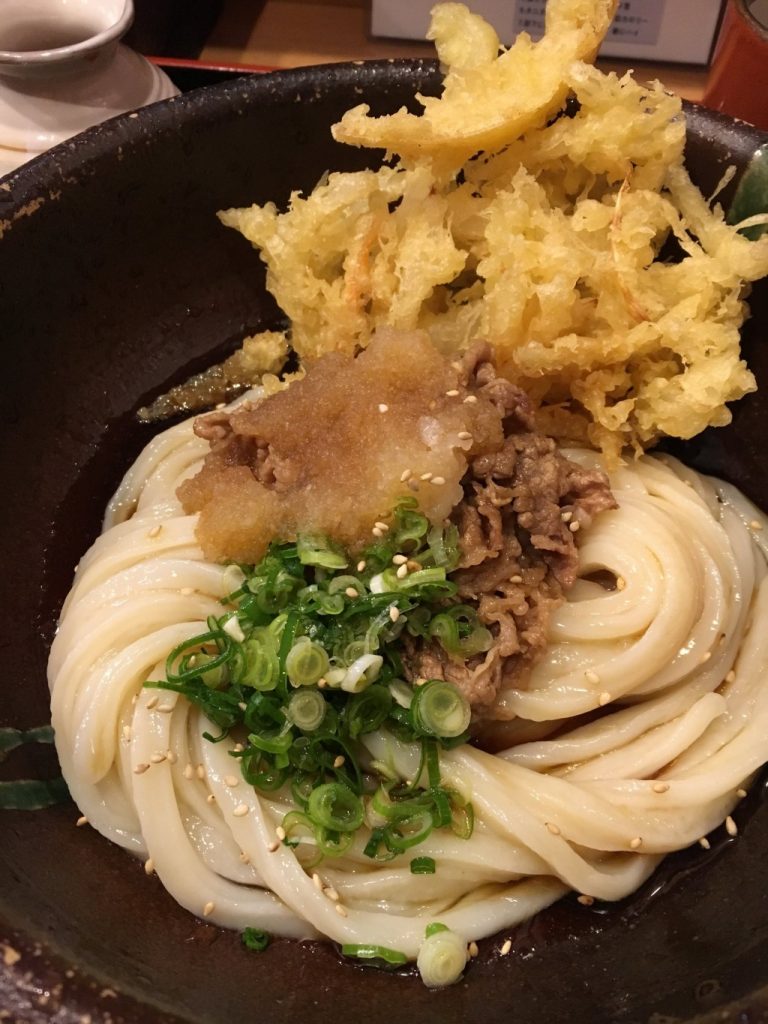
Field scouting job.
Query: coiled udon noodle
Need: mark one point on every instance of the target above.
(646, 715)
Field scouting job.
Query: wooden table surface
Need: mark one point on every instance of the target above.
(288, 33)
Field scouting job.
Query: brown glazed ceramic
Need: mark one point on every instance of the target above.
(116, 281)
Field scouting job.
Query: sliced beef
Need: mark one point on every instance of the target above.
(523, 505)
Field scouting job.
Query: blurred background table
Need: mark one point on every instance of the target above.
(288, 33)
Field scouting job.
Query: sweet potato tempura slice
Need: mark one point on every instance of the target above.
(489, 97)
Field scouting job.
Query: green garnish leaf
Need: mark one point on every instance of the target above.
(32, 794)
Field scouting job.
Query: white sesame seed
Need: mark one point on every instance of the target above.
(438, 481)
(155, 531)
(592, 677)
(551, 827)
(399, 559)
(381, 526)
(405, 475)
(158, 757)
(730, 677)
(209, 908)
(566, 516)
(420, 681)
(731, 827)
(172, 756)
(377, 532)
(584, 900)
(470, 399)
(704, 843)
(200, 772)
(82, 820)
(402, 572)
(149, 866)
(517, 578)
(361, 565)
(755, 524)
(603, 699)
(189, 772)
(317, 881)
(139, 769)
(394, 613)
(741, 793)
(127, 733)
(506, 948)
(383, 407)
(238, 747)
(453, 393)
(660, 787)
(166, 707)
(341, 911)
(242, 705)
(621, 583)
(322, 682)
(280, 833)
(187, 591)
(574, 527)
(331, 893)
(425, 476)
(339, 761)
(273, 847)
(231, 780)
(351, 592)
(464, 435)
(152, 702)
(241, 810)
(636, 843)
(211, 799)
(472, 949)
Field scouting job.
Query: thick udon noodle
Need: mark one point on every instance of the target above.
(646, 715)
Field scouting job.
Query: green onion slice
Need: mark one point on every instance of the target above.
(423, 866)
(439, 709)
(392, 957)
(306, 662)
(306, 709)
(255, 939)
(335, 807)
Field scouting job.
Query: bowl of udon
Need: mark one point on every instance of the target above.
(389, 570)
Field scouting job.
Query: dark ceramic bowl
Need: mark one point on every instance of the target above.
(116, 281)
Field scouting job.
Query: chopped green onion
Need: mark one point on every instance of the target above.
(306, 710)
(335, 807)
(423, 866)
(392, 957)
(362, 672)
(368, 710)
(434, 928)
(315, 549)
(442, 958)
(255, 939)
(439, 709)
(306, 662)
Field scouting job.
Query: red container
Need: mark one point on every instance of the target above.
(738, 78)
